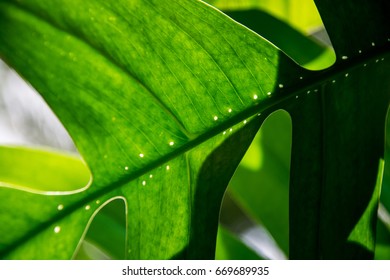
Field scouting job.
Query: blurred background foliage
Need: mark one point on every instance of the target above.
(254, 213)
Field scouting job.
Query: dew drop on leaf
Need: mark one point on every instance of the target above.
(57, 229)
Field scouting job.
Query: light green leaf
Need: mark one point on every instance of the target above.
(152, 137)
(301, 14)
(162, 101)
(22, 168)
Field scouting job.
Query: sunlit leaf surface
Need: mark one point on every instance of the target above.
(162, 101)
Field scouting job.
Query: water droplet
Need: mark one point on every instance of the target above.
(151, 176)
(244, 121)
(259, 114)
(334, 81)
(57, 229)
(87, 207)
(281, 85)
(215, 118)
(373, 44)
(60, 207)
(360, 51)
(344, 57)
(255, 96)
(376, 61)
(143, 183)
(346, 74)
(296, 96)
(97, 201)
(308, 92)
(126, 168)
(230, 130)
(229, 110)
(171, 143)
(269, 93)
(141, 155)
(301, 78)
(168, 167)
(316, 90)
(224, 133)
(365, 65)
(383, 59)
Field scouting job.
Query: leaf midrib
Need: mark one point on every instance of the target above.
(315, 78)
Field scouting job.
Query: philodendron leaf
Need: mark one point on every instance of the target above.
(146, 91)
(162, 100)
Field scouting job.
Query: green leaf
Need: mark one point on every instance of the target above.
(306, 51)
(230, 248)
(346, 138)
(152, 137)
(260, 183)
(22, 168)
(106, 234)
(302, 15)
(162, 102)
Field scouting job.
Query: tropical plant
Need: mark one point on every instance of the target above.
(163, 99)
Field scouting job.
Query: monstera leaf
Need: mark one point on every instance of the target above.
(163, 99)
